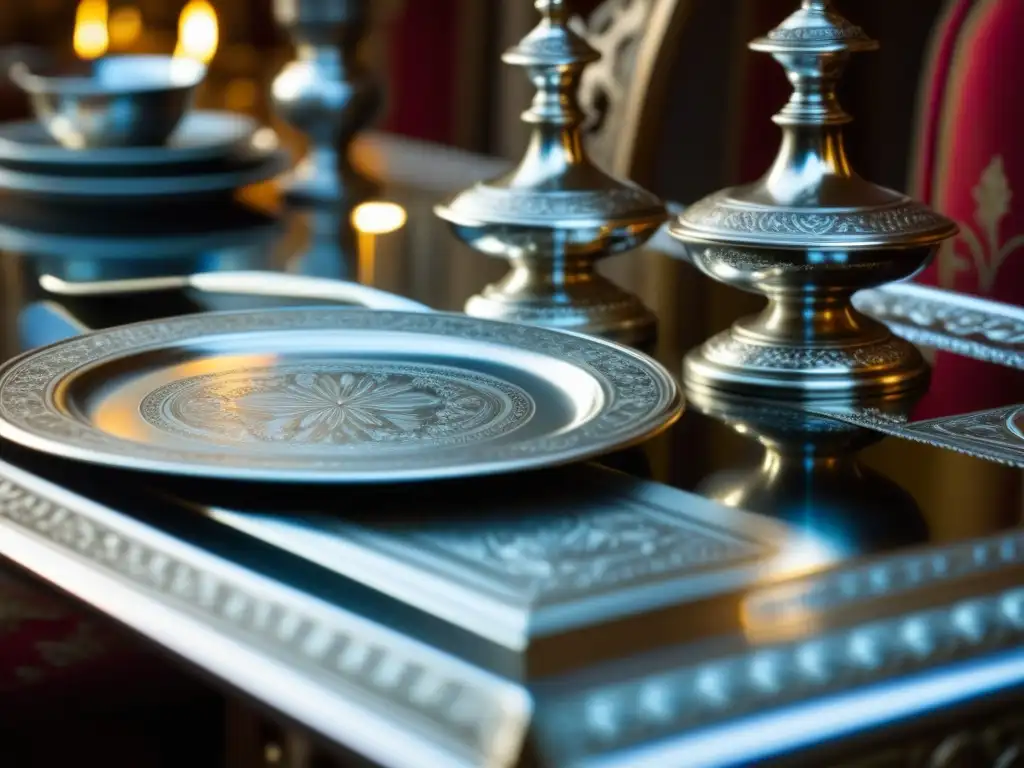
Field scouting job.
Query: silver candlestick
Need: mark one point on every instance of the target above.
(556, 214)
(327, 93)
(808, 235)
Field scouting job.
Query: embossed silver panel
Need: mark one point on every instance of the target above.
(333, 395)
(537, 564)
(951, 322)
(364, 686)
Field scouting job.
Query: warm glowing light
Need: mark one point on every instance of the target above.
(198, 34)
(125, 26)
(265, 139)
(240, 95)
(378, 218)
(91, 40)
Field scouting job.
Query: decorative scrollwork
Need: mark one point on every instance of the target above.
(616, 30)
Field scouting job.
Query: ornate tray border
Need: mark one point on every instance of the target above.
(376, 691)
(402, 703)
(994, 435)
(950, 322)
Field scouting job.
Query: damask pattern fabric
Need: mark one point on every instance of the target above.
(971, 168)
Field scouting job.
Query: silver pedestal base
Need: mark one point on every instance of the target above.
(606, 311)
(729, 362)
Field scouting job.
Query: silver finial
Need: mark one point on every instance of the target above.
(807, 235)
(556, 214)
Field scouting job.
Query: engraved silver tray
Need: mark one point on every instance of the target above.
(333, 395)
(573, 551)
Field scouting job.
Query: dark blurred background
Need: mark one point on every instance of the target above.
(440, 60)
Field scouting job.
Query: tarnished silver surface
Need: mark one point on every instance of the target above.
(326, 93)
(556, 214)
(600, 548)
(333, 395)
(203, 136)
(808, 235)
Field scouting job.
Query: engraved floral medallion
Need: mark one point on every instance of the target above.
(292, 395)
(337, 406)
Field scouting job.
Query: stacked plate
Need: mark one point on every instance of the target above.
(210, 153)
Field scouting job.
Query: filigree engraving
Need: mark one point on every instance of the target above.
(994, 435)
(999, 430)
(726, 349)
(816, 34)
(504, 205)
(816, 22)
(548, 42)
(718, 214)
(968, 326)
(560, 558)
(888, 577)
(679, 697)
(752, 263)
(337, 407)
(988, 252)
(636, 396)
(390, 675)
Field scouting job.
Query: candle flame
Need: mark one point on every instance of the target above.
(90, 38)
(125, 26)
(198, 33)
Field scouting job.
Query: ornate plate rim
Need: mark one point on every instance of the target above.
(42, 371)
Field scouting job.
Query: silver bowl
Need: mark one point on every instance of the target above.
(120, 101)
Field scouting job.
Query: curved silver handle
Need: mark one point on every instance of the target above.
(253, 283)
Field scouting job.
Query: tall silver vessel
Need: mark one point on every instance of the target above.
(808, 235)
(327, 93)
(556, 214)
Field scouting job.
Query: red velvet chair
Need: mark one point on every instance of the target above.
(970, 166)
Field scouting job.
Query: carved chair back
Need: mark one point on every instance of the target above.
(626, 91)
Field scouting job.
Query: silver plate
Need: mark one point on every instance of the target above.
(333, 395)
(259, 166)
(201, 137)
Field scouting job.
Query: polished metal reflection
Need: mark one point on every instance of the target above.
(246, 283)
(547, 556)
(809, 474)
(122, 101)
(333, 395)
(326, 93)
(203, 136)
(556, 214)
(808, 235)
